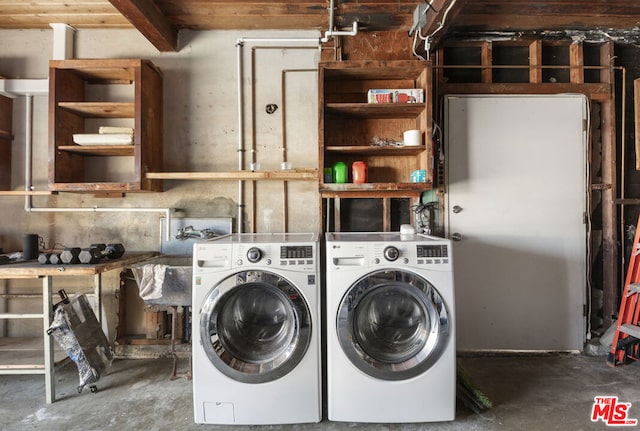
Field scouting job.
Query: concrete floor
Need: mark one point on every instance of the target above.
(551, 392)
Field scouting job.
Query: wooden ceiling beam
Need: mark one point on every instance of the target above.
(160, 20)
(440, 15)
(467, 22)
(150, 21)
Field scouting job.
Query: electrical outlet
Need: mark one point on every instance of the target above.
(419, 18)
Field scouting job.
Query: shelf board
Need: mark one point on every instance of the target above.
(373, 69)
(376, 150)
(94, 186)
(99, 150)
(328, 190)
(25, 353)
(26, 193)
(103, 71)
(100, 109)
(310, 174)
(376, 110)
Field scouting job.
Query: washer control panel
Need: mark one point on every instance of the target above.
(418, 254)
(411, 253)
(295, 252)
(295, 257)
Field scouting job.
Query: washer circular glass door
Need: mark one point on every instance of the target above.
(255, 326)
(392, 325)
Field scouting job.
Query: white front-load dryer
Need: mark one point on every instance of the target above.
(390, 328)
(256, 330)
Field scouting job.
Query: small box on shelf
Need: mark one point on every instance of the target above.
(405, 95)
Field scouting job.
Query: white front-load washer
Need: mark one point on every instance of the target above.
(256, 330)
(390, 328)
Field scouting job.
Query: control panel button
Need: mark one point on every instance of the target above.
(254, 255)
(391, 253)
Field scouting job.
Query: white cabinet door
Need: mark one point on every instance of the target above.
(516, 188)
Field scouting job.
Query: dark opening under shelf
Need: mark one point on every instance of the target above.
(99, 150)
(373, 149)
(376, 110)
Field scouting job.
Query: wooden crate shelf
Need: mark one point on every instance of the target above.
(85, 93)
(349, 125)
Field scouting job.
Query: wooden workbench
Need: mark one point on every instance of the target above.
(32, 269)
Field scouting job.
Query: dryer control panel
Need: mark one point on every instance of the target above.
(300, 257)
(410, 253)
(360, 251)
(219, 256)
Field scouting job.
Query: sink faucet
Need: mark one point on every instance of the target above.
(190, 232)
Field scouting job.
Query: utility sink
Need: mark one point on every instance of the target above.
(165, 280)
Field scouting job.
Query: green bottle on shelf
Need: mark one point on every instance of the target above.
(340, 173)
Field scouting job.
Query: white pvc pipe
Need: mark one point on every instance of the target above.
(331, 33)
(239, 46)
(278, 40)
(28, 138)
(21, 87)
(166, 211)
(332, 13)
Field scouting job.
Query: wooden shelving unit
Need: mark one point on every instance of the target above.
(83, 93)
(349, 125)
(351, 129)
(310, 174)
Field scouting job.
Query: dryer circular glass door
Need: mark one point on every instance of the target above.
(255, 326)
(392, 325)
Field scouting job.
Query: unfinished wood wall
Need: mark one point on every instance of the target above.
(535, 66)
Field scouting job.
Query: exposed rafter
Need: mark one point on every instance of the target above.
(440, 15)
(160, 20)
(150, 21)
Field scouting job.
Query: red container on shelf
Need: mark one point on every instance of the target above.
(359, 172)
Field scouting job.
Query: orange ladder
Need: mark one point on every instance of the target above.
(626, 338)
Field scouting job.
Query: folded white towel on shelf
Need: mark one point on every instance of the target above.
(105, 130)
(103, 139)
